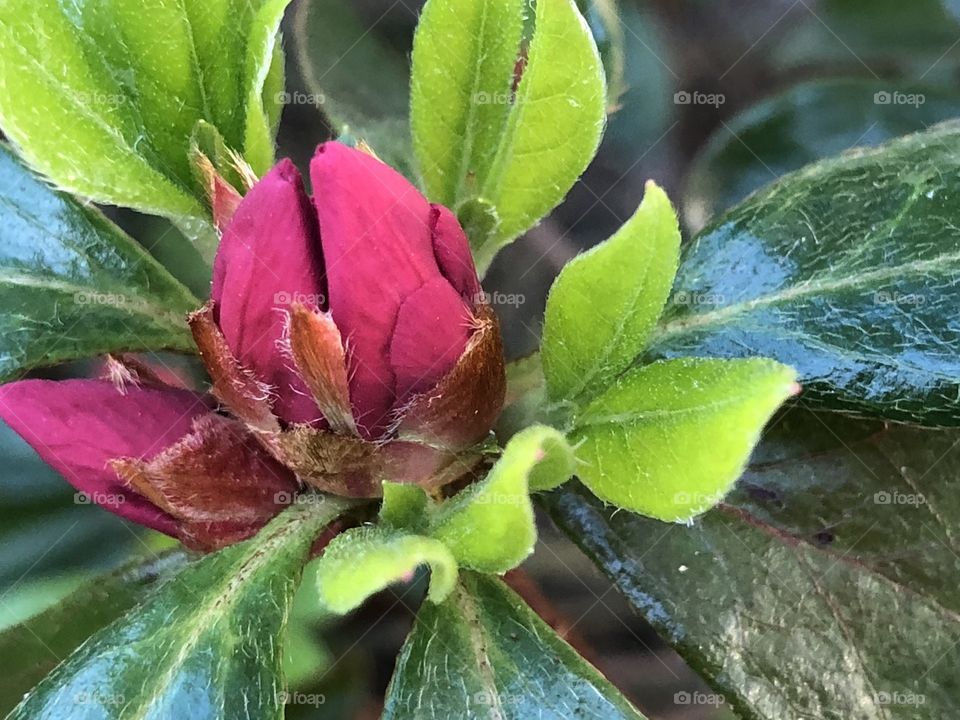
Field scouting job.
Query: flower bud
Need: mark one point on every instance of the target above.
(342, 325)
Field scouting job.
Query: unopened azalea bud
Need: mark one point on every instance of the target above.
(158, 456)
(357, 315)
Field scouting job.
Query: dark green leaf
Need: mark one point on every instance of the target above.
(484, 654)
(848, 271)
(824, 588)
(31, 649)
(113, 101)
(43, 530)
(809, 122)
(206, 644)
(359, 82)
(73, 285)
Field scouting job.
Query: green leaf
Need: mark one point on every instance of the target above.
(206, 644)
(73, 285)
(484, 654)
(36, 645)
(404, 506)
(474, 137)
(335, 49)
(809, 122)
(44, 532)
(824, 587)
(113, 102)
(489, 526)
(362, 561)
(669, 439)
(606, 301)
(846, 270)
(464, 56)
(554, 127)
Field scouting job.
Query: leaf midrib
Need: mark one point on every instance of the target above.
(808, 288)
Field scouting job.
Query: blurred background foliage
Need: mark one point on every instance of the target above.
(783, 83)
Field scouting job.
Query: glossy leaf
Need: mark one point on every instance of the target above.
(809, 122)
(846, 270)
(113, 102)
(334, 49)
(32, 648)
(824, 587)
(362, 561)
(465, 55)
(206, 644)
(606, 301)
(73, 285)
(484, 654)
(669, 439)
(44, 532)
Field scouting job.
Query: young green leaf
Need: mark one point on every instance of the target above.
(489, 526)
(475, 136)
(365, 560)
(404, 506)
(484, 654)
(847, 270)
(73, 285)
(465, 53)
(669, 439)
(605, 302)
(205, 644)
(113, 102)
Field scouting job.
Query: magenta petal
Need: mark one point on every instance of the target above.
(377, 246)
(432, 330)
(452, 249)
(269, 258)
(78, 426)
